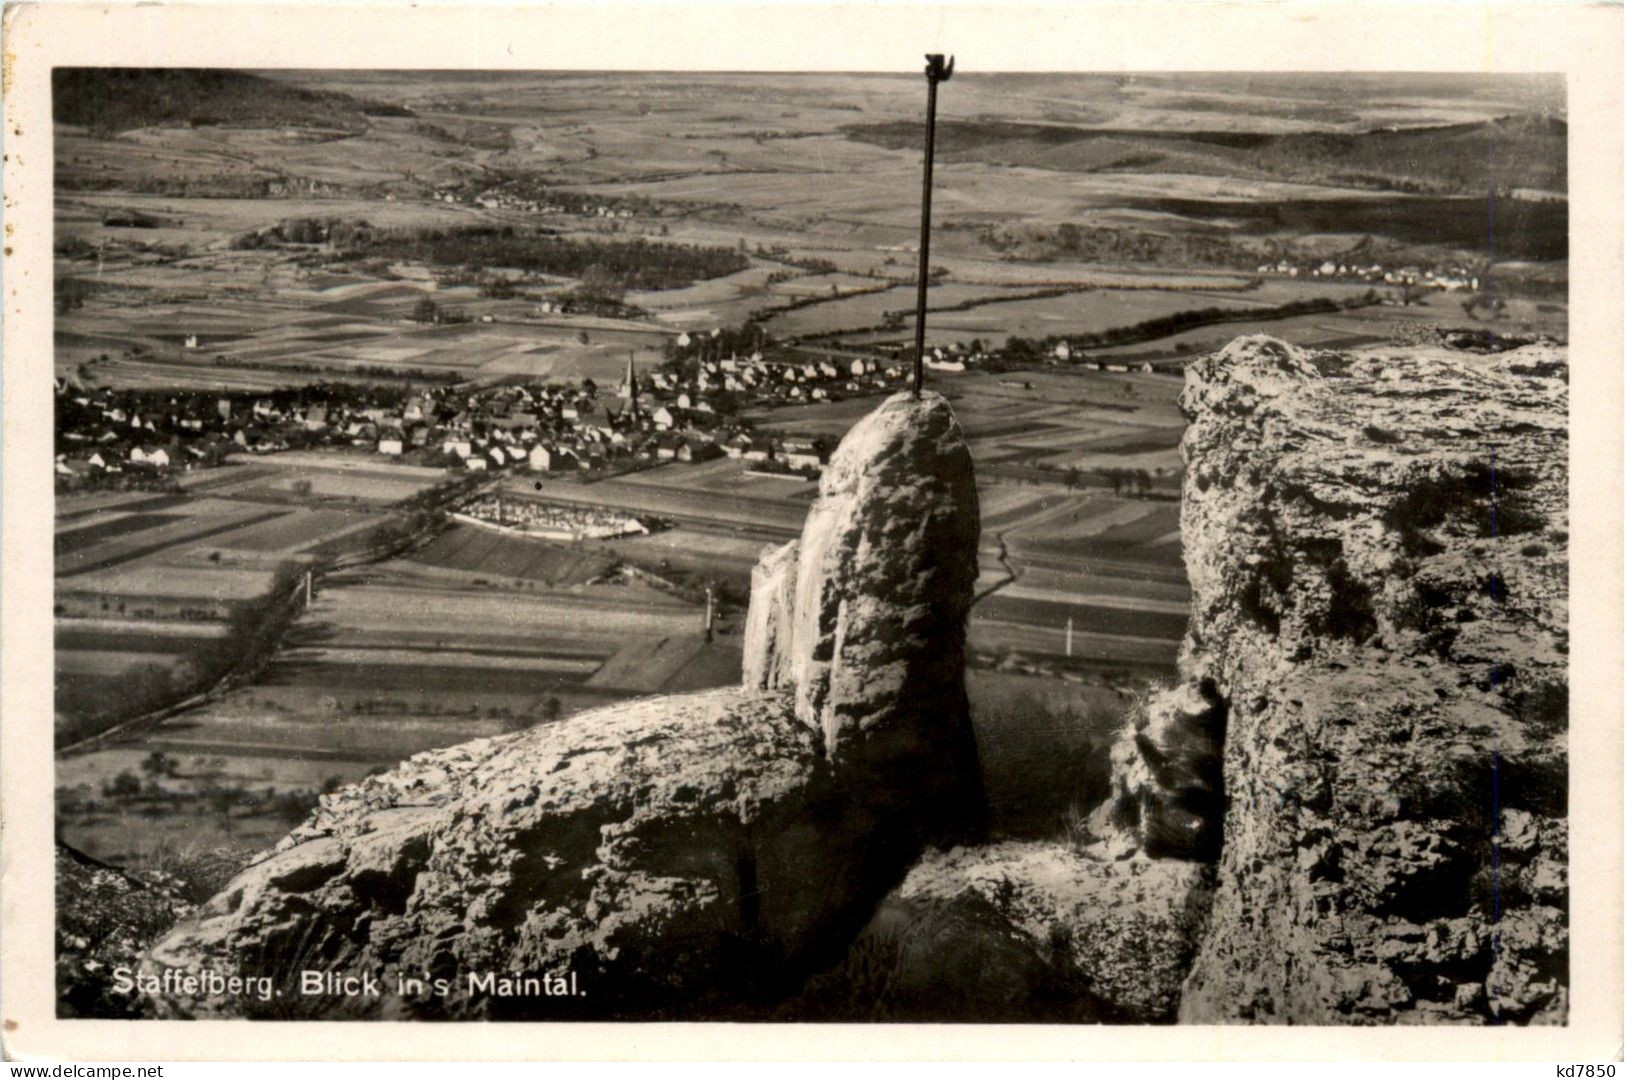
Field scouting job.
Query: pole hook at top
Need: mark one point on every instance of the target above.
(936, 71)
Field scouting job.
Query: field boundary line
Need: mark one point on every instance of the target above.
(1011, 573)
(240, 674)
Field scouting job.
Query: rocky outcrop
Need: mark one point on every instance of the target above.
(887, 560)
(1098, 926)
(689, 856)
(767, 651)
(1376, 544)
(1031, 931)
(646, 849)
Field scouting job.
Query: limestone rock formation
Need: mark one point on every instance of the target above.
(767, 651)
(636, 846)
(1376, 544)
(1028, 931)
(887, 559)
(688, 856)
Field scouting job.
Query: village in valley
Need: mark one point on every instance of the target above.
(140, 438)
(396, 409)
(541, 428)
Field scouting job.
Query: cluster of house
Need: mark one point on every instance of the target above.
(553, 429)
(110, 431)
(541, 428)
(496, 199)
(556, 428)
(781, 380)
(661, 416)
(1062, 351)
(1449, 278)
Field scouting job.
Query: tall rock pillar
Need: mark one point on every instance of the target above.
(872, 631)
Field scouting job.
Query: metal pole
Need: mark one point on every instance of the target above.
(935, 71)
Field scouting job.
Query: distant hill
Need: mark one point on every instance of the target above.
(1529, 151)
(1466, 159)
(117, 99)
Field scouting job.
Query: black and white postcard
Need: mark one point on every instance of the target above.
(1097, 519)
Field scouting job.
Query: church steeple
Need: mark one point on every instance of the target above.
(629, 388)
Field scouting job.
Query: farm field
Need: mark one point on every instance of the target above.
(1075, 313)
(305, 530)
(722, 301)
(1050, 421)
(1124, 446)
(101, 542)
(708, 552)
(1103, 556)
(801, 169)
(159, 634)
(1083, 525)
(1000, 313)
(223, 810)
(1054, 546)
(1039, 739)
(299, 327)
(1110, 567)
(292, 476)
(253, 513)
(1368, 326)
(72, 505)
(516, 632)
(477, 631)
(102, 659)
(1117, 656)
(867, 309)
(730, 476)
(389, 661)
(155, 592)
(307, 726)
